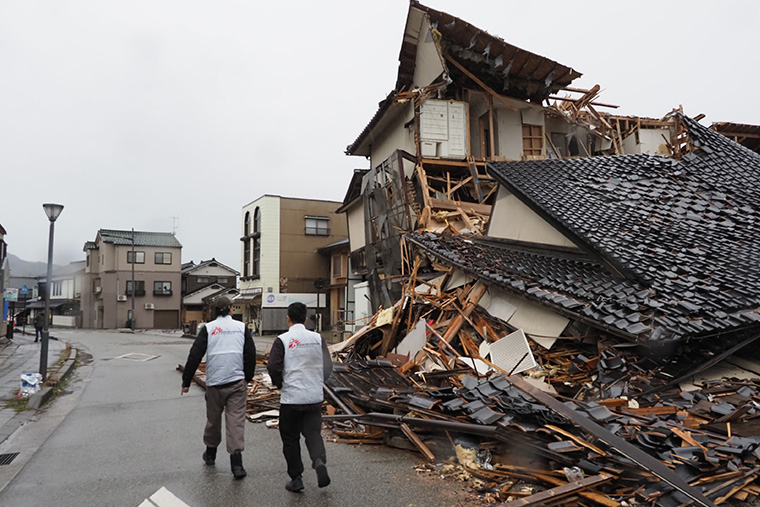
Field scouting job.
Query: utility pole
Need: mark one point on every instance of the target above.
(132, 320)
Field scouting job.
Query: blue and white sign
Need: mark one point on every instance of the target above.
(283, 300)
(24, 290)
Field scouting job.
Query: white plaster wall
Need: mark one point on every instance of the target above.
(511, 219)
(213, 271)
(393, 138)
(428, 65)
(355, 216)
(509, 132)
(650, 141)
(269, 207)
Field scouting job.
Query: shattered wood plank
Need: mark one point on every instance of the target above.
(627, 449)
(467, 221)
(418, 443)
(589, 495)
(723, 485)
(734, 490)
(564, 491)
(576, 439)
(686, 437)
(715, 478)
(473, 298)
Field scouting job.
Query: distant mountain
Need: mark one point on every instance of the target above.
(25, 269)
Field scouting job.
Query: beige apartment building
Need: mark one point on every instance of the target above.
(281, 262)
(109, 289)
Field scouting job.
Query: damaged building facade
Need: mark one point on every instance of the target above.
(507, 225)
(464, 98)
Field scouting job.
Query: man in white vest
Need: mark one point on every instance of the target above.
(299, 363)
(230, 365)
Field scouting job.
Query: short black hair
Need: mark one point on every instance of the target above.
(223, 312)
(297, 313)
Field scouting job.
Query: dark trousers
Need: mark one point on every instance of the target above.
(37, 332)
(297, 420)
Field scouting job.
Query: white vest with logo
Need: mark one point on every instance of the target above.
(224, 353)
(302, 373)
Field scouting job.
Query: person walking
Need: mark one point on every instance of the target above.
(299, 364)
(230, 365)
(39, 324)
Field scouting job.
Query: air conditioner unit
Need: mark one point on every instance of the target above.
(149, 306)
(98, 290)
(121, 298)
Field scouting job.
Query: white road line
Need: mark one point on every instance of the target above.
(163, 498)
(136, 356)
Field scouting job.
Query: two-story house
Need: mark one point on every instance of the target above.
(281, 263)
(203, 282)
(463, 98)
(132, 275)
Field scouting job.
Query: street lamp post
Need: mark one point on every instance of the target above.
(52, 211)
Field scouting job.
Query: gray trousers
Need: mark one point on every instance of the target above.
(231, 401)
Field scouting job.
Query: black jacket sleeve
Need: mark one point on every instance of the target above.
(197, 351)
(249, 356)
(327, 365)
(276, 362)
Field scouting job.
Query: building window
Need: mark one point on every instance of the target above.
(139, 288)
(221, 279)
(533, 141)
(256, 220)
(337, 266)
(57, 289)
(202, 279)
(162, 288)
(139, 257)
(246, 258)
(256, 268)
(317, 226)
(247, 224)
(163, 258)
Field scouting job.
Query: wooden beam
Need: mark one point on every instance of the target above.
(480, 83)
(418, 443)
(469, 207)
(589, 495)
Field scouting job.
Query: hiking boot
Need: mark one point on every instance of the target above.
(209, 456)
(236, 463)
(322, 478)
(295, 485)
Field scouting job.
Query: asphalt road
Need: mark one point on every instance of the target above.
(122, 432)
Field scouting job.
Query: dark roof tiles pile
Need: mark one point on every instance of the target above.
(681, 237)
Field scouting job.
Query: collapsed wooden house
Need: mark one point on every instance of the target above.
(464, 98)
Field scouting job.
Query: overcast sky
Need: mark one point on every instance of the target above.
(132, 113)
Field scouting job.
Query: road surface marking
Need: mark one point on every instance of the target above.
(136, 356)
(163, 498)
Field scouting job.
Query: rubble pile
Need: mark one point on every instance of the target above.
(591, 419)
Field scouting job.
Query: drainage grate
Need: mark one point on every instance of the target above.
(6, 459)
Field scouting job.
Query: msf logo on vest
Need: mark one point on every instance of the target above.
(293, 343)
(218, 330)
